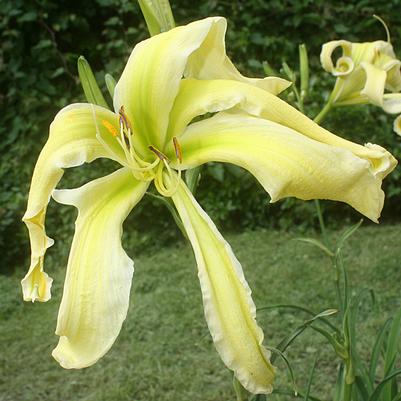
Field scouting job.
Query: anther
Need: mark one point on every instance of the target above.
(178, 150)
(159, 154)
(123, 119)
(110, 127)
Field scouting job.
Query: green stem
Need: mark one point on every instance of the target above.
(321, 222)
(240, 393)
(327, 107)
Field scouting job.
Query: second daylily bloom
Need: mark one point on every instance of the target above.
(152, 136)
(364, 72)
(397, 125)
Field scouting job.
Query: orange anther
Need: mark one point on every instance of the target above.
(110, 127)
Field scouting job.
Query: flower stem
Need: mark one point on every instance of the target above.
(321, 222)
(327, 107)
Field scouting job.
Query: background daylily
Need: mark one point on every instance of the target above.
(397, 125)
(152, 136)
(364, 72)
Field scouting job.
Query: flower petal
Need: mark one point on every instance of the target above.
(397, 125)
(199, 97)
(285, 162)
(151, 78)
(375, 83)
(229, 309)
(72, 142)
(210, 61)
(99, 272)
(327, 52)
(392, 103)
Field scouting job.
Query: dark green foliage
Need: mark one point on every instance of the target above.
(39, 45)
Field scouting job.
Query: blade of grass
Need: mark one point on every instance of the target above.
(381, 386)
(303, 309)
(306, 398)
(377, 347)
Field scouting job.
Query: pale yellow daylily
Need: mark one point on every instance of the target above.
(152, 136)
(397, 125)
(364, 72)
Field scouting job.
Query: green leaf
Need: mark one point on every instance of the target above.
(346, 234)
(306, 398)
(361, 388)
(158, 15)
(289, 367)
(391, 354)
(339, 386)
(269, 70)
(89, 85)
(289, 72)
(316, 243)
(240, 392)
(320, 315)
(339, 348)
(110, 83)
(295, 395)
(304, 70)
(377, 347)
(393, 343)
(287, 341)
(376, 394)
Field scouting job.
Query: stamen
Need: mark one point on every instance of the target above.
(123, 119)
(110, 128)
(157, 152)
(178, 150)
(172, 187)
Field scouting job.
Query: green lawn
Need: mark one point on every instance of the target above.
(164, 351)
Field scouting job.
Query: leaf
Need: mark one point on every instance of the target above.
(376, 394)
(291, 393)
(317, 243)
(306, 398)
(287, 341)
(289, 367)
(346, 234)
(393, 343)
(321, 315)
(377, 347)
(91, 89)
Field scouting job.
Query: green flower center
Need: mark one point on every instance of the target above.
(157, 170)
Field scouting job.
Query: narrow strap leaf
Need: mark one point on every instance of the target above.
(306, 310)
(89, 85)
(306, 398)
(158, 15)
(347, 233)
(110, 83)
(316, 243)
(376, 394)
(377, 347)
(287, 363)
(295, 395)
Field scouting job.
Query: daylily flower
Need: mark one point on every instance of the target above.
(397, 125)
(364, 71)
(151, 135)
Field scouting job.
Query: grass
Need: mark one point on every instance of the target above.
(164, 352)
